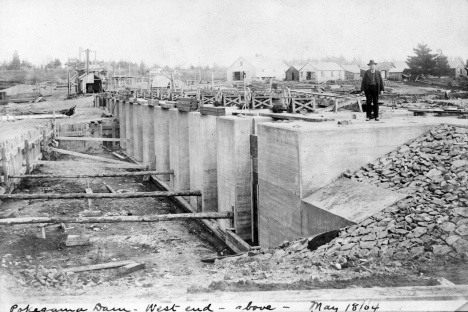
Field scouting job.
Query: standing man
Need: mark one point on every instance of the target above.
(372, 85)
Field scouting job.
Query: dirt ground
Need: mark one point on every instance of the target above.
(171, 251)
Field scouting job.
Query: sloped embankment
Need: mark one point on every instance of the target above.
(430, 225)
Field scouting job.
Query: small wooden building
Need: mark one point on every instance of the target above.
(321, 72)
(351, 72)
(398, 72)
(384, 69)
(292, 74)
(90, 83)
(256, 68)
(457, 68)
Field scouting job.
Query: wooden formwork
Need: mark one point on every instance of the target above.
(232, 100)
(299, 104)
(17, 156)
(262, 101)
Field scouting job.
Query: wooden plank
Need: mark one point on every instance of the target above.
(236, 243)
(296, 117)
(110, 188)
(91, 213)
(6, 179)
(107, 165)
(148, 218)
(87, 139)
(100, 266)
(27, 156)
(99, 195)
(97, 175)
(130, 268)
(90, 201)
(77, 240)
(86, 156)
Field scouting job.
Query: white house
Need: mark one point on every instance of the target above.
(321, 72)
(256, 68)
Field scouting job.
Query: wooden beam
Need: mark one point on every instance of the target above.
(99, 195)
(289, 116)
(86, 156)
(60, 138)
(122, 165)
(148, 218)
(100, 266)
(110, 188)
(97, 175)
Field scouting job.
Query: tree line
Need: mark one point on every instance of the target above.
(424, 62)
(16, 64)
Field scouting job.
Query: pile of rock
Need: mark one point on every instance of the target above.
(41, 276)
(433, 220)
(430, 224)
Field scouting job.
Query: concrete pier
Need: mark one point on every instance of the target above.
(149, 134)
(129, 126)
(122, 123)
(161, 140)
(203, 160)
(137, 130)
(297, 159)
(179, 148)
(234, 172)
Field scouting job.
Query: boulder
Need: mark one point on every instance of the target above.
(441, 250)
(419, 231)
(461, 211)
(462, 230)
(461, 246)
(448, 226)
(452, 239)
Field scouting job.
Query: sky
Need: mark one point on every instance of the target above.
(204, 32)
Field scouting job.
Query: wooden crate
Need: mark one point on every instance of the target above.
(187, 104)
(214, 111)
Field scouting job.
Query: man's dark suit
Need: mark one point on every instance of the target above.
(372, 91)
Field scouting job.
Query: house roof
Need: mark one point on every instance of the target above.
(298, 67)
(326, 66)
(264, 62)
(400, 66)
(384, 65)
(352, 68)
(456, 64)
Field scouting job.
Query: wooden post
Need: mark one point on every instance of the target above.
(5, 170)
(314, 103)
(54, 124)
(44, 139)
(335, 109)
(171, 182)
(90, 201)
(359, 104)
(114, 144)
(27, 156)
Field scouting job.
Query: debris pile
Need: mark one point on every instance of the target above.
(430, 225)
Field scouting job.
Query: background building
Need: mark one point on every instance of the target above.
(321, 72)
(256, 68)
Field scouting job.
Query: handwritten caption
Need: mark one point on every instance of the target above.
(153, 307)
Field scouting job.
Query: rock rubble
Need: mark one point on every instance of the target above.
(431, 224)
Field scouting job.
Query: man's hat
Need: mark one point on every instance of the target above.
(372, 62)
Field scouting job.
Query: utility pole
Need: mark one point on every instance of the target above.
(87, 62)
